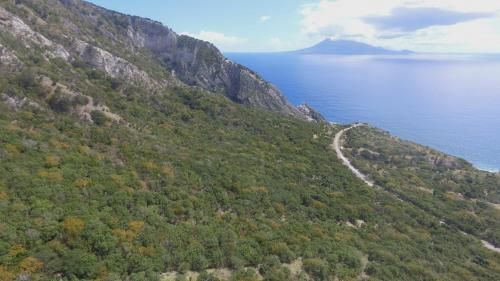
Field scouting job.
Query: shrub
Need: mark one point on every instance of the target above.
(135, 226)
(115, 84)
(244, 275)
(78, 63)
(11, 149)
(278, 274)
(205, 276)
(81, 183)
(59, 102)
(317, 268)
(51, 161)
(283, 252)
(98, 117)
(80, 100)
(55, 176)
(268, 263)
(26, 79)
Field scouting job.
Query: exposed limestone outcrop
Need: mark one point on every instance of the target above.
(310, 113)
(95, 56)
(16, 103)
(8, 58)
(14, 25)
(111, 64)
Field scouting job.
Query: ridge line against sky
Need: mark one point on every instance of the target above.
(456, 26)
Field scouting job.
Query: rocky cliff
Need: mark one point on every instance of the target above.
(140, 51)
(199, 63)
(311, 113)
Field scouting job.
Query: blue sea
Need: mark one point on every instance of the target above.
(448, 102)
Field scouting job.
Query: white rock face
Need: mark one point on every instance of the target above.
(15, 26)
(95, 56)
(7, 57)
(111, 64)
(199, 63)
(16, 103)
(311, 114)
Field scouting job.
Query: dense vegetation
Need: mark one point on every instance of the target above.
(448, 187)
(178, 179)
(203, 184)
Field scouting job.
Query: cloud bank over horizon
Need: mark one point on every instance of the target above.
(421, 25)
(411, 19)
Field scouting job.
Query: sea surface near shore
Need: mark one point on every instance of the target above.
(448, 102)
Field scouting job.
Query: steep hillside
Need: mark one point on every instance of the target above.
(137, 49)
(115, 167)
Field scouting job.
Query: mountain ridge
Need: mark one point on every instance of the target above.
(187, 60)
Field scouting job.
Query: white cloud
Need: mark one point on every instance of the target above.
(264, 18)
(463, 37)
(275, 43)
(347, 19)
(221, 40)
(283, 44)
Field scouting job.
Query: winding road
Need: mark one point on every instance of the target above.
(337, 145)
(338, 149)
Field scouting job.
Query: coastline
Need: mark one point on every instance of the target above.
(337, 145)
(477, 166)
(386, 94)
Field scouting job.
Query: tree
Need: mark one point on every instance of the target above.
(79, 263)
(73, 226)
(6, 275)
(100, 238)
(30, 265)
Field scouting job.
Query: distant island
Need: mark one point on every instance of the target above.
(348, 47)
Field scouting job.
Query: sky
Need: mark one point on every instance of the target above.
(453, 26)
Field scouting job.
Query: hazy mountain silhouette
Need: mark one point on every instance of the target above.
(348, 47)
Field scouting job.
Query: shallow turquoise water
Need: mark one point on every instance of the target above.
(450, 103)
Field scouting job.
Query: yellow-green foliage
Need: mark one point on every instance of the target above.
(73, 226)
